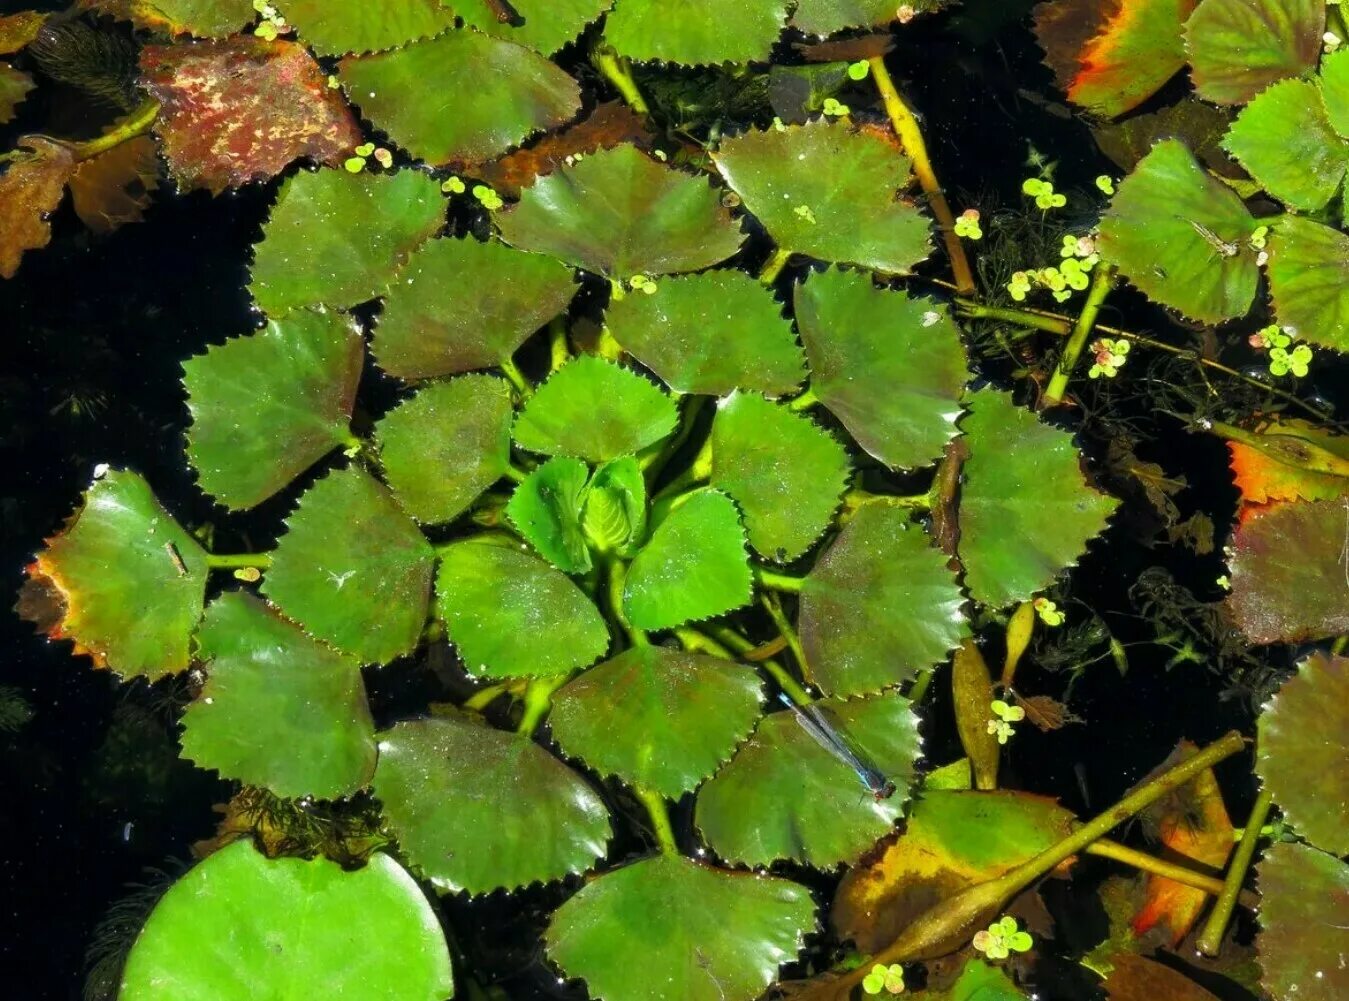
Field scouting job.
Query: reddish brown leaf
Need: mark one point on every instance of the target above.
(240, 110)
(1045, 712)
(17, 30)
(1137, 979)
(14, 87)
(114, 188)
(30, 189)
(1262, 478)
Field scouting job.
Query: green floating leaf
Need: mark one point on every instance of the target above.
(337, 27)
(286, 929)
(1025, 511)
(879, 606)
(512, 615)
(825, 190)
(1239, 47)
(593, 409)
(546, 510)
(1309, 281)
(445, 445)
(544, 25)
(694, 567)
(783, 796)
(696, 32)
(1288, 580)
(478, 809)
(1301, 757)
(201, 18)
(267, 406)
(681, 715)
(121, 579)
(1285, 141)
(278, 709)
(824, 17)
(353, 569)
(890, 367)
(706, 934)
(1181, 236)
(1335, 90)
(1302, 938)
(979, 981)
(710, 333)
(338, 238)
(465, 304)
(620, 213)
(784, 471)
(515, 92)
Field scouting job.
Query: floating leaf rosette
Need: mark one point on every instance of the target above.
(478, 809)
(695, 32)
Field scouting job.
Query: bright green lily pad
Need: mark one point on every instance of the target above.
(595, 410)
(785, 472)
(287, 929)
(338, 238)
(614, 514)
(890, 367)
(827, 191)
(657, 718)
(620, 213)
(478, 809)
(1300, 755)
(278, 709)
(879, 606)
(1161, 231)
(1335, 90)
(337, 27)
(546, 26)
(353, 569)
(445, 445)
(267, 406)
(783, 796)
(121, 579)
(1026, 512)
(510, 614)
(1285, 141)
(824, 17)
(694, 567)
(494, 95)
(1303, 938)
(1309, 281)
(1288, 582)
(710, 333)
(546, 510)
(696, 32)
(466, 304)
(1239, 47)
(704, 934)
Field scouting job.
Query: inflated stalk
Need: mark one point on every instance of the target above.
(971, 696)
(1211, 937)
(618, 72)
(558, 351)
(615, 573)
(906, 127)
(727, 641)
(138, 123)
(1116, 852)
(774, 265)
(779, 581)
(946, 927)
(803, 400)
(699, 471)
(517, 378)
(660, 820)
(1102, 279)
(1020, 627)
(787, 631)
(688, 420)
(484, 697)
(538, 700)
(856, 499)
(238, 561)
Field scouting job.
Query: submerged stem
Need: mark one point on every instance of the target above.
(1211, 937)
(1102, 280)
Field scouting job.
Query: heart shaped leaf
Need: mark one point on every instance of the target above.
(784, 471)
(879, 606)
(620, 213)
(515, 93)
(1309, 280)
(707, 934)
(278, 709)
(337, 238)
(445, 445)
(122, 579)
(353, 569)
(1302, 934)
(710, 333)
(783, 796)
(512, 615)
(681, 715)
(1025, 511)
(1181, 236)
(478, 809)
(1239, 47)
(267, 406)
(543, 25)
(466, 304)
(593, 409)
(696, 32)
(282, 929)
(694, 567)
(337, 27)
(546, 510)
(830, 192)
(890, 367)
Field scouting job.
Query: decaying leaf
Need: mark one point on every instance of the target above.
(17, 30)
(30, 190)
(113, 188)
(14, 88)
